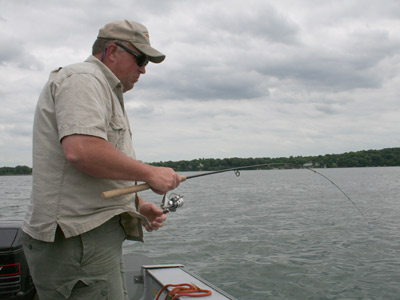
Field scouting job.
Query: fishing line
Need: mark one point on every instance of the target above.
(237, 173)
(351, 201)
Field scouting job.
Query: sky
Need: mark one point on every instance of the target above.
(241, 78)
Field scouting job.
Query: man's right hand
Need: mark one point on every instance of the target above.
(163, 180)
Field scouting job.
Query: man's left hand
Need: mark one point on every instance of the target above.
(154, 214)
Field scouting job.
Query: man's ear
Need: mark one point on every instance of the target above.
(110, 53)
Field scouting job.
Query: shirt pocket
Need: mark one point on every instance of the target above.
(116, 132)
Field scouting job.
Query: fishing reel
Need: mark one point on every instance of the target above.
(171, 203)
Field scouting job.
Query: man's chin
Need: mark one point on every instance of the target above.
(128, 87)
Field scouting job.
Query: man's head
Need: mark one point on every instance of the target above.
(134, 33)
(124, 46)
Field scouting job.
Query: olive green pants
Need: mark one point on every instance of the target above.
(88, 266)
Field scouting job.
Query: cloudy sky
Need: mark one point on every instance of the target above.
(242, 78)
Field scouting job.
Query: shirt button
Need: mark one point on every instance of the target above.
(103, 293)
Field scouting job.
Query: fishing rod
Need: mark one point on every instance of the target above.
(175, 201)
(145, 186)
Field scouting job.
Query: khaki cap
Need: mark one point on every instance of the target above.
(134, 33)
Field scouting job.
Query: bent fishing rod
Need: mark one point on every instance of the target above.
(145, 186)
(174, 201)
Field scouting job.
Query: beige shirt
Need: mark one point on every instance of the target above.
(84, 98)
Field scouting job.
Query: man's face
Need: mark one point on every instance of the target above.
(126, 69)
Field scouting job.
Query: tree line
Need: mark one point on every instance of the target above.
(366, 158)
(18, 170)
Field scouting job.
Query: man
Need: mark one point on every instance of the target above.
(82, 146)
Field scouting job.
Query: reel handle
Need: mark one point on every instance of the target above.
(129, 190)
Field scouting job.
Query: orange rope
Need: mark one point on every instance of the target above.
(184, 289)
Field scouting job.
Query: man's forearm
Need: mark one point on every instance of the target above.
(98, 158)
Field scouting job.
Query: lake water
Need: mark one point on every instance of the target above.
(278, 234)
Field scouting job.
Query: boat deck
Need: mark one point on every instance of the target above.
(145, 283)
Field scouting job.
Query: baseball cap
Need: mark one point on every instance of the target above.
(134, 33)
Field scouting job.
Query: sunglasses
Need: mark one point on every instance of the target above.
(141, 59)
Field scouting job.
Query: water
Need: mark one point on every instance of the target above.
(279, 234)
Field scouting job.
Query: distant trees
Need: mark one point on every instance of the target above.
(367, 158)
(18, 170)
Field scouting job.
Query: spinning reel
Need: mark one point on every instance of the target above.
(171, 203)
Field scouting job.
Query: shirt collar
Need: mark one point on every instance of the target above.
(113, 81)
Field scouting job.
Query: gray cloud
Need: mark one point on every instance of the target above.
(241, 78)
(14, 53)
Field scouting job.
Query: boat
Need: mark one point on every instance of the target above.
(145, 279)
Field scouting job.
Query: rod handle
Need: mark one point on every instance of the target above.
(129, 190)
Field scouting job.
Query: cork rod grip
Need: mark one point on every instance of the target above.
(129, 190)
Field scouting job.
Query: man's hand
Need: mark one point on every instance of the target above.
(163, 180)
(154, 214)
